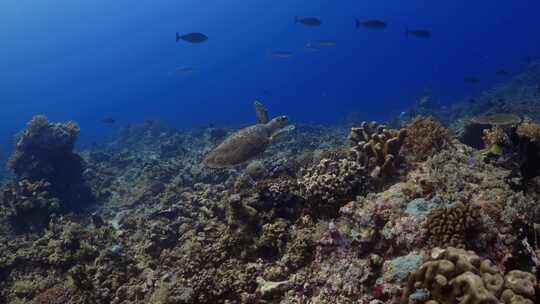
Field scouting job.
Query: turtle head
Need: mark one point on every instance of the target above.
(277, 123)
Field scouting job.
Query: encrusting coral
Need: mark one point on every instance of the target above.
(376, 148)
(454, 276)
(425, 137)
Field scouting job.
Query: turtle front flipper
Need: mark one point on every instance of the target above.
(261, 112)
(281, 132)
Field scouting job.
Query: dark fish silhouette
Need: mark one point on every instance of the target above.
(371, 24)
(326, 42)
(192, 37)
(311, 46)
(471, 79)
(281, 54)
(309, 21)
(501, 72)
(184, 69)
(538, 89)
(108, 120)
(418, 33)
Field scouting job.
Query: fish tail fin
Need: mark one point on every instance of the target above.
(357, 23)
(406, 32)
(296, 20)
(177, 36)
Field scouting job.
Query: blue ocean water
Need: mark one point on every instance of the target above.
(87, 60)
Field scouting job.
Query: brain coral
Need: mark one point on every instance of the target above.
(454, 225)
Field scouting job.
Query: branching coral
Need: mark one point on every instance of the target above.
(376, 148)
(452, 226)
(453, 274)
(425, 137)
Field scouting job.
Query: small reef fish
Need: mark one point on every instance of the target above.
(108, 120)
(308, 21)
(326, 43)
(184, 69)
(501, 72)
(311, 46)
(471, 79)
(372, 24)
(192, 37)
(281, 54)
(418, 33)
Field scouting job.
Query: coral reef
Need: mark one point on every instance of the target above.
(474, 131)
(495, 139)
(316, 218)
(425, 137)
(49, 174)
(457, 276)
(29, 204)
(44, 151)
(377, 148)
(453, 226)
(529, 130)
(332, 182)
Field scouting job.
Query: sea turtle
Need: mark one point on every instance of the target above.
(248, 142)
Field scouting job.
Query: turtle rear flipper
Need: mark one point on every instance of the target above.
(261, 112)
(281, 132)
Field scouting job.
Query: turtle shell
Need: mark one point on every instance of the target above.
(239, 147)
